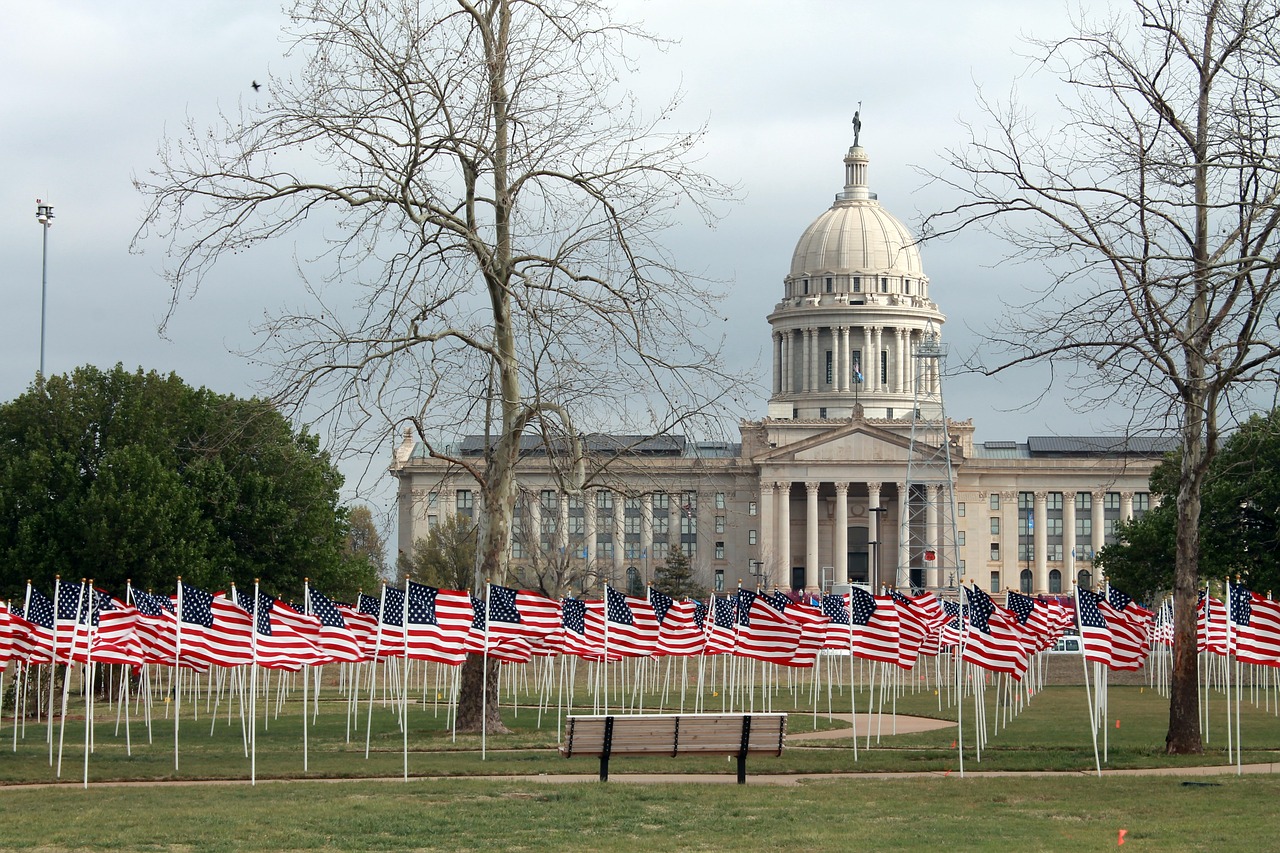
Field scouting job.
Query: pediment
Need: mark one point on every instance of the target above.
(858, 441)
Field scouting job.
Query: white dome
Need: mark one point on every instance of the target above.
(856, 235)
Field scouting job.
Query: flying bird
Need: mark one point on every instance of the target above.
(256, 85)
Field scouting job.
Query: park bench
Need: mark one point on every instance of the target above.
(675, 734)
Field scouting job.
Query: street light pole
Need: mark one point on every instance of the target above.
(44, 215)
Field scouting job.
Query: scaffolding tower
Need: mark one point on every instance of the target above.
(928, 520)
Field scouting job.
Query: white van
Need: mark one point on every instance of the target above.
(1067, 644)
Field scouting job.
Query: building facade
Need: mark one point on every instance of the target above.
(826, 488)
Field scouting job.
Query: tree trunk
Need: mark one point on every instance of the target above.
(475, 714)
(1183, 737)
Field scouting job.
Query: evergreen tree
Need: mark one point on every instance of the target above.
(675, 577)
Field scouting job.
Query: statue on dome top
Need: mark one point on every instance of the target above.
(857, 124)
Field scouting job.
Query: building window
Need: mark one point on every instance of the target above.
(689, 549)
(690, 503)
(661, 550)
(960, 509)
(432, 521)
(632, 504)
(1111, 501)
(1053, 501)
(631, 524)
(575, 502)
(1084, 528)
(1053, 526)
(719, 500)
(995, 582)
(719, 550)
(604, 500)
(1084, 502)
(1024, 581)
(960, 537)
(577, 525)
(995, 525)
(688, 525)
(604, 546)
(517, 549)
(751, 508)
(661, 525)
(829, 283)
(432, 499)
(995, 500)
(1141, 503)
(829, 362)
(634, 587)
(1054, 552)
(884, 367)
(661, 502)
(806, 287)
(719, 580)
(719, 524)
(1084, 579)
(906, 284)
(751, 537)
(995, 552)
(465, 501)
(1055, 581)
(884, 285)
(857, 284)
(822, 413)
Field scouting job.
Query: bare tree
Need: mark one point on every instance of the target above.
(1154, 208)
(492, 262)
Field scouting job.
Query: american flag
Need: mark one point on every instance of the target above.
(508, 649)
(73, 604)
(993, 640)
(521, 615)
(661, 604)
(721, 631)
(213, 630)
(949, 633)
(361, 624)
(631, 626)
(680, 634)
(33, 628)
(876, 628)
(582, 628)
(117, 640)
(1255, 627)
(837, 633)
(1211, 625)
(1130, 630)
(439, 622)
(157, 626)
(1095, 633)
(336, 639)
(913, 629)
(286, 639)
(764, 633)
(6, 636)
(389, 628)
(813, 631)
(1034, 619)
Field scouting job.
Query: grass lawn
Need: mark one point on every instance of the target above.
(1051, 733)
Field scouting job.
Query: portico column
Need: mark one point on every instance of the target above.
(835, 359)
(840, 539)
(646, 529)
(589, 525)
(786, 361)
(784, 533)
(879, 346)
(1126, 506)
(811, 359)
(873, 535)
(1040, 580)
(619, 509)
(867, 361)
(1068, 537)
(811, 536)
(562, 528)
(904, 334)
(767, 520)
(777, 362)
(1099, 537)
(902, 572)
(846, 364)
(533, 533)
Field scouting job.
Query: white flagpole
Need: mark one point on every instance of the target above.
(66, 673)
(53, 665)
(177, 670)
(404, 697)
(88, 693)
(253, 694)
(306, 608)
(373, 669)
(1088, 698)
(484, 677)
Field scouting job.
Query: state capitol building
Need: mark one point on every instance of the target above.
(838, 482)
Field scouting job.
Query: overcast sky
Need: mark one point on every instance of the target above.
(92, 87)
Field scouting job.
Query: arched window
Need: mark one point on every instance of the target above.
(1024, 581)
(634, 587)
(1055, 581)
(1084, 580)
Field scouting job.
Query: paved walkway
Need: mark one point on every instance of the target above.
(878, 725)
